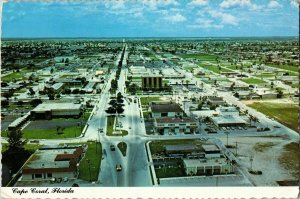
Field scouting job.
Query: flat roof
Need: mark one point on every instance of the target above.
(204, 162)
(56, 106)
(160, 108)
(50, 158)
(228, 119)
(175, 120)
(180, 147)
(210, 147)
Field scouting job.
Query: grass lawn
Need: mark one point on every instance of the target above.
(68, 75)
(264, 75)
(169, 172)
(123, 148)
(147, 100)
(263, 146)
(289, 158)
(294, 85)
(285, 67)
(68, 132)
(94, 165)
(200, 56)
(29, 147)
(189, 68)
(253, 81)
(158, 146)
(110, 125)
(286, 114)
(16, 75)
(146, 114)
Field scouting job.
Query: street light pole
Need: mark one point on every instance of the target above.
(227, 136)
(88, 161)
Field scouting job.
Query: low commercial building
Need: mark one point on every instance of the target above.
(166, 109)
(57, 86)
(228, 120)
(50, 110)
(214, 100)
(207, 166)
(46, 164)
(168, 125)
(184, 150)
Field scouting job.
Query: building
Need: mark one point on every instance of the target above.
(49, 163)
(207, 166)
(213, 100)
(50, 110)
(228, 121)
(152, 82)
(166, 125)
(57, 87)
(166, 109)
(213, 163)
(184, 150)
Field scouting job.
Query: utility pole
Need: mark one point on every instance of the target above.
(236, 149)
(251, 161)
(227, 133)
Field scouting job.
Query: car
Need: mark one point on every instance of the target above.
(277, 127)
(118, 167)
(130, 127)
(112, 147)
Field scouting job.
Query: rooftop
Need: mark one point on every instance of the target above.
(162, 108)
(58, 159)
(228, 119)
(56, 106)
(175, 120)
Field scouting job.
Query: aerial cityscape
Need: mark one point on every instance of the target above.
(207, 103)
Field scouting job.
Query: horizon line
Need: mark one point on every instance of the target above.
(117, 37)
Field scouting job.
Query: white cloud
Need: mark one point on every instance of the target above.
(232, 3)
(224, 17)
(175, 18)
(295, 3)
(241, 3)
(202, 23)
(274, 4)
(198, 3)
(154, 4)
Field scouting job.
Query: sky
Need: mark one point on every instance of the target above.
(151, 18)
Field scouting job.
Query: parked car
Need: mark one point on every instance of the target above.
(118, 167)
(112, 148)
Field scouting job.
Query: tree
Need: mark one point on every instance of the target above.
(119, 109)
(111, 110)
(52, 70)
(4, 103)
(279, 93)
(31, 91)
(8, 94)
(36, 102)
(20, 103)
(15, 141)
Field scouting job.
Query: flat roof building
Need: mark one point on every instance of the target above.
(46, 164)
(49, 110)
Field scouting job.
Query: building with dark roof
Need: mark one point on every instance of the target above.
(166, 110)
(49, 163)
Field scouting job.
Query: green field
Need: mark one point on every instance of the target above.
(285, 67)
(214, 68)
(110, 125)
(86, 169)
(169, 172)
(147, 100)
(29, 147)
(265, 75)
(189, 68)
(253, 81)
(200, 57)
(289, 159)
(68, 132)
(123, 148)
(286, 114)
